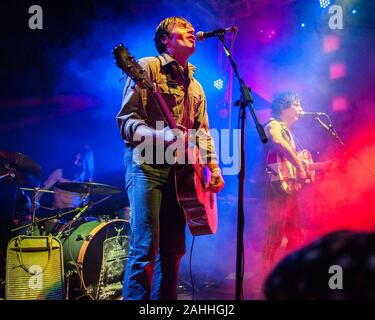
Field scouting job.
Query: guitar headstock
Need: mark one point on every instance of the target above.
(127, 63)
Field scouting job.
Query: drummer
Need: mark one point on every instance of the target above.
(82, 171)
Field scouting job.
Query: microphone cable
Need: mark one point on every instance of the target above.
(191, 269)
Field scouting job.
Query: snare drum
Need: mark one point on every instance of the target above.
(95, 254)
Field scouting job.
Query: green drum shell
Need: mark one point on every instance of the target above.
(83, 246)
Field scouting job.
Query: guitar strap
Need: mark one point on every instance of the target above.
(292, 140)
(171, 74)
(287, 137)
(285, 133)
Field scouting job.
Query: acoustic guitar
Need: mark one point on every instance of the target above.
(282, 174)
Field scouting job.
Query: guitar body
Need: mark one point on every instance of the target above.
(282, 174)
(199, 205)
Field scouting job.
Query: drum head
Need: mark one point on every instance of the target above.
(95, 254)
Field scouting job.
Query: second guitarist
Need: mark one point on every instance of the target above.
(157, 241)
(282, 224)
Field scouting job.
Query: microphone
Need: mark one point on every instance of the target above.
(310, 114)
(200, 35)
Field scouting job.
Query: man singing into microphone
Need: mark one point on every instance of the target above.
(157, 240)
(283, 231)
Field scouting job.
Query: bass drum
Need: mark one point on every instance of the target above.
(95, 254)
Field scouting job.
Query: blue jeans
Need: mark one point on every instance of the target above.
(157, 238)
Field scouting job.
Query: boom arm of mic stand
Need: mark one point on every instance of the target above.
(44, 219)
(329, 127)
(246, 99)
(80, 212)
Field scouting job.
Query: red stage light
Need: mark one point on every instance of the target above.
(331, 43)
(337, 71)
(340, 103)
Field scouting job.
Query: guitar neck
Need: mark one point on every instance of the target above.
(127, 63)
(164, 109)
(172, 124)
(319, 166)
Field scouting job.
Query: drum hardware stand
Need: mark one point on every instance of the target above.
(87, 206)
(8, 174)
(19, 168)
(99, 201)
(34, 206)
(76, 217)
(80, 211)
(67, 284)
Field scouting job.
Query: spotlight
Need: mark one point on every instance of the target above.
(324, 3)
(302, 25)
(354, 11)
(271, 34)
(218, 84)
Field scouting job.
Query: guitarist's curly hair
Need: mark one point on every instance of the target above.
(281, 101)
(164, 29)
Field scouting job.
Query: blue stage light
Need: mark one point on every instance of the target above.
(324, 3)
(218, 84)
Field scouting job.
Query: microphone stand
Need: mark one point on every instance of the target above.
(57, 216)
(246, 101)
(79, 210)
(329, 127)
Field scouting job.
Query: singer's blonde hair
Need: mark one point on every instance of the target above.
(165, 28)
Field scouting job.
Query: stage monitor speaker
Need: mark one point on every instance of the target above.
(34, 269)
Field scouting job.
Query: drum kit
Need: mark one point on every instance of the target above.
(94, 249)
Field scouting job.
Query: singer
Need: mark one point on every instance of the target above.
(157, 239)
(282, 225)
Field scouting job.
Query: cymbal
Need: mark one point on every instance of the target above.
(88, 187)
(17, 168)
